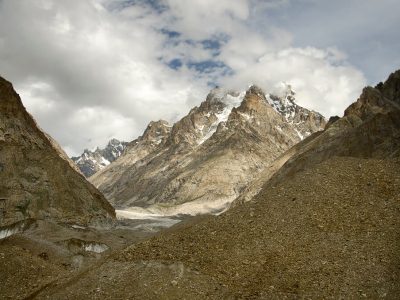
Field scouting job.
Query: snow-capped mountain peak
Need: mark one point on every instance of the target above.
(226, 101)
(92, 161)
(282, 99)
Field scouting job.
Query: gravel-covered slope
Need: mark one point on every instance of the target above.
(332, 231)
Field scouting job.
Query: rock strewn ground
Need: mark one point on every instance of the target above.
(331, 231)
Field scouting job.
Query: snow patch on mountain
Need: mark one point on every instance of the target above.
(282, 99)
(229, 100)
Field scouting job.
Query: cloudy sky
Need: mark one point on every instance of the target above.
(90, 70)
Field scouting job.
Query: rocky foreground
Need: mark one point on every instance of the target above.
(332, 231)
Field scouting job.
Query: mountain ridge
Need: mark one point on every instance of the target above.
(236, 132)
(90, 162)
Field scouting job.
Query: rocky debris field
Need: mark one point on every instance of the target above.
(331, 231)
(47, 254)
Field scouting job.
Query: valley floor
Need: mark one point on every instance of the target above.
(47, 254)
(331, 231)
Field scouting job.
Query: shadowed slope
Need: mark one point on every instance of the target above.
(37, 179)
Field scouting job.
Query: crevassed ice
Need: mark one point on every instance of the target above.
(8, 232)
(97, 248)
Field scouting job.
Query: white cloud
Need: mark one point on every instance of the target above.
(65, 57)
(89, 70)
(321, 79)
(205, 18)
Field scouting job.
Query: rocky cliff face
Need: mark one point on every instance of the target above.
(91, 162)
(37, 179)
(204, 161)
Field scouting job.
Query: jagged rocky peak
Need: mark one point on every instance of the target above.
(223, 97)
(282, 101)
(156, 132)
(282, 97)
(90, 162)
(114, 149)
(381, 99)
(305, 121)
(254, 99)
(391, 88)
(202, 122)
(218, 104)
(256, 90)
(37, 179)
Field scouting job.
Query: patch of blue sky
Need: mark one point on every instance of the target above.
(156, 5)
(175, 64)
(170, 33)
(206, 66)
(211, 44)
(211, 71)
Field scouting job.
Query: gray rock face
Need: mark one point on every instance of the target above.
(37, 179)
(91, 162)
(204, 161)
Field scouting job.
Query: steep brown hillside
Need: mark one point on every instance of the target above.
(37, 179)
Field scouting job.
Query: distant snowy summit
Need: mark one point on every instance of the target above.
(221, 102)
(91, 162)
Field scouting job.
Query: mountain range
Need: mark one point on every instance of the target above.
(203, 162)
(90, 162)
